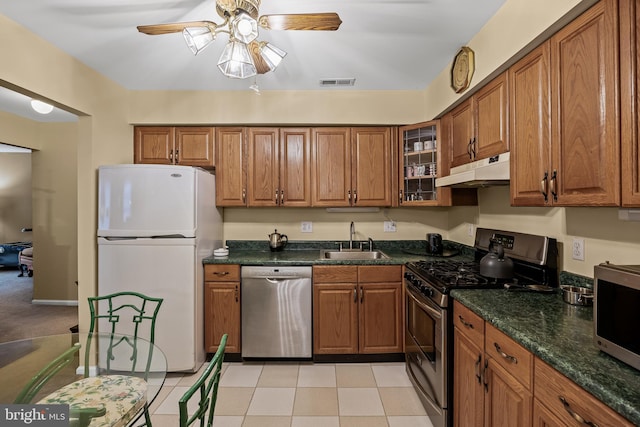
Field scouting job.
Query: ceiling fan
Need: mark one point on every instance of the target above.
(244, 56)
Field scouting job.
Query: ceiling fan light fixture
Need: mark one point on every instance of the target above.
(245, 28)
(272, 55)
(236, 62)
(41, 107)
(198, 38)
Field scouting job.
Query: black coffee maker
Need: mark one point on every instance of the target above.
(434, 244)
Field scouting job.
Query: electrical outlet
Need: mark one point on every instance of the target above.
(578, 249)
(470, 230)
(306, 227)
(389, 226)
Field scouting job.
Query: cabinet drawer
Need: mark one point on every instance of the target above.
(221, 273)
(379, 274)
(551, 386)
(469, 323)
(514, 358)
(335, 274)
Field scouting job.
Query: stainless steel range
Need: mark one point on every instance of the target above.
(429, 324)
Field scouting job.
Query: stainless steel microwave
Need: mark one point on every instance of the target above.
(616, 311)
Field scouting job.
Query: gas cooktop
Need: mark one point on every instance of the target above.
(534, 258)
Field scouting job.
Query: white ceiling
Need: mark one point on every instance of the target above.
(383, 44)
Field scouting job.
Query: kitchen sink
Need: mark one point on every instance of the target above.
(351, 255)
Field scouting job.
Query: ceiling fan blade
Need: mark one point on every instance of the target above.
(304, 21)
(176, 27)
(261, 66)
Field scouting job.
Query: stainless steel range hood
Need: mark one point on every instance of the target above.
(482, 173)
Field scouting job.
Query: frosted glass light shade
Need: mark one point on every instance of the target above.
(236, 62)
(245, 28)
(41, 107)
(197, 38)
(272, 55)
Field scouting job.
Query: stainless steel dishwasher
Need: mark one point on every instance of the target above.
(276, 312)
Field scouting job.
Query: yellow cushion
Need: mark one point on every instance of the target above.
(123, 396)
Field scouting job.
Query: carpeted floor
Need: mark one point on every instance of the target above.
(20, 319)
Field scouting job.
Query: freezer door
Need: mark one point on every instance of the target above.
(146, 200)
(161, 268)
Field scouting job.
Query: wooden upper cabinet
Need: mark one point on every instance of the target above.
(478, 127)
(530, 127)
(194, 147)
(371, 166)
(491, 115)
(351, 167)
(188, 146)
(295, 167)
(279, 167)
(585, 120)
(153, 145)
(263, 166)
(231, 187)
(331, 166)
(630, 101)
(460, 131)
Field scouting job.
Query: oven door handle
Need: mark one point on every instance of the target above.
(431, 310)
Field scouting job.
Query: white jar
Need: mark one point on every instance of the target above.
(418, 146)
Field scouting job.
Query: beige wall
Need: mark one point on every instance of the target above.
(104, 135)
(15, 197)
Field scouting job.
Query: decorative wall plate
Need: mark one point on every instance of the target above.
(462, 69)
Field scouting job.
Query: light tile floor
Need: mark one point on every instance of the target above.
(282, 394)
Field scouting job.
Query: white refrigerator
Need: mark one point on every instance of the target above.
(155, 225)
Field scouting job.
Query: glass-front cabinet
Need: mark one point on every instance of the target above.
(419, 145)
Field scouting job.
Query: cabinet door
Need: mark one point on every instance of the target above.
(331, 167)
(295, 167)
(507, 403)
(491, 118)
(542, 417)
(222, 315)
(194, 147)
(585, 129)
(468, 392)
(380, 318)
(153, 145)
(335, 318)
(231, 189)
(371, 166)
(263, 166)
(530, 132)
(460, 134)
(630, 101)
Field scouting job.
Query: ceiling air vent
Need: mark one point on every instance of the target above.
(338, 82)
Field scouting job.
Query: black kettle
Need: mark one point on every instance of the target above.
(494, 264)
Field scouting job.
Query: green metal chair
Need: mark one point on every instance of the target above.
(126, 316)
(38, 381)
(207, 385)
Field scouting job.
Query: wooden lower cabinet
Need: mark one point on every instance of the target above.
(497, 382)
(222, 306)
(357, 309)
(564, 402)
(492, 375)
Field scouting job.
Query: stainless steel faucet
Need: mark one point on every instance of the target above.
(352, 231)
(370, 244)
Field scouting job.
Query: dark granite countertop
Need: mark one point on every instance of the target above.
(308, 253)
(562, 335)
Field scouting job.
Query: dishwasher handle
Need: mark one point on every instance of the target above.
(273, 279)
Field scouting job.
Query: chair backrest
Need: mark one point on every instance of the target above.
(45, 374)
(207, 386)
(128, 315)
